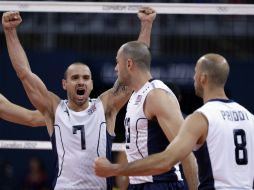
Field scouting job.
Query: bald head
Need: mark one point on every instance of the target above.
(216, 67)
(74, 64)
(138, 52)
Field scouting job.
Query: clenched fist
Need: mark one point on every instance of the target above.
(103, 167)
(146, 14)
(11, 20)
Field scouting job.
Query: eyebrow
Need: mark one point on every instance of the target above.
(86, 75)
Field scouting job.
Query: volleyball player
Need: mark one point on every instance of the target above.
(80, 128)
(220, 132)
(152, 119)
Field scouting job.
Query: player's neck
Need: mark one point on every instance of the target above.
(140, 79)
(78, 107)
(214, 94)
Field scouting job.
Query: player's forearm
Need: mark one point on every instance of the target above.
(191, 171)
(36, 119)
(17, 114)
(145, 32)
(16, 53)
(152, 165)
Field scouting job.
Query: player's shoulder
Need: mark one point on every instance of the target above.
(94, 100)
(156, 83)
(2, 98)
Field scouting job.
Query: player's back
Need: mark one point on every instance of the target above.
(226, 160)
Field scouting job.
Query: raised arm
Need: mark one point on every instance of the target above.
(118, 95)
(146, 16)
(17, 114)
(192, 132)
(40, 97)
(115, 98)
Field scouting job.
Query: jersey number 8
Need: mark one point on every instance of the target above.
(241, 156)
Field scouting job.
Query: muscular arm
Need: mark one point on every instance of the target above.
(17, 114)
(167, 111)
(118, 95)
(193, 131)
(40, 97)
(113, 100)
(190, 171)
(146, 16)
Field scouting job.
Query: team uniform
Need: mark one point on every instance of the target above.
(145, 137)
(226, 159)
(78, 138)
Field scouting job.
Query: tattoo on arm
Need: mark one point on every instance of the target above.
(118, 88)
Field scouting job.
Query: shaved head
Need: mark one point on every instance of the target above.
(138, 52)
(216, 67)
(73, 64)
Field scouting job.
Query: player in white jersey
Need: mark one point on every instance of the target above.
(152, 120)
(141, 133)
(90, 144)
(220, 132)
(80, 128)
(230, 133)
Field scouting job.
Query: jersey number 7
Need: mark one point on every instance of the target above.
(75, 128)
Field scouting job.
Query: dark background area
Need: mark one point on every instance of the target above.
(53, 41)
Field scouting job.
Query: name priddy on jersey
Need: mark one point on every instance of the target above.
(234, 115)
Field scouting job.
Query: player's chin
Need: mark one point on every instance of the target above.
(80, 102)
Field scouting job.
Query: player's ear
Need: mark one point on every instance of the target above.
(204, 78)
(91, 85)
(64, 84)
(129, 63)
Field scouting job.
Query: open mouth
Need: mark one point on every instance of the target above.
(80, 92)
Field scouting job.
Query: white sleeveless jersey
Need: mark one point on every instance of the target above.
(80, 137)
(226, 160)
(145, 137)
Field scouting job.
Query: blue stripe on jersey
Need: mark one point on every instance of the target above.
(157, 142)
(55, 159)
(157, 186)
(110, 180)
(204, 168)
(221, 100)
(109, 140)
(138, 136)
(98, 154)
